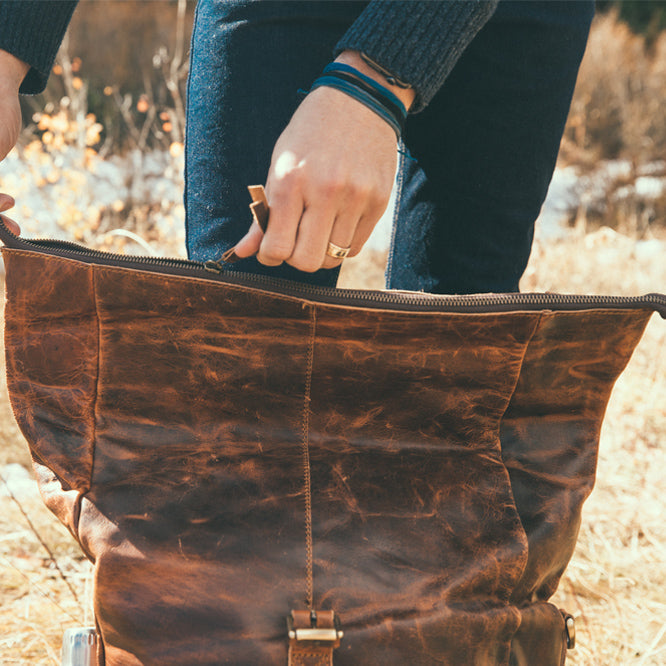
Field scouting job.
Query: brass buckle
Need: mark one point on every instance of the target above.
(314, 633)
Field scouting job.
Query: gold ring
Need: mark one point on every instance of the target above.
(336, 251)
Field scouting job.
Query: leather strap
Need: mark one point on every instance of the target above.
(313, 635)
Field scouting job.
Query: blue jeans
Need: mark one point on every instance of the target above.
(482, 153)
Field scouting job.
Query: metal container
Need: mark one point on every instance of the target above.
(79, 647)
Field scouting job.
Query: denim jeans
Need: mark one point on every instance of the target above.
(478, 159)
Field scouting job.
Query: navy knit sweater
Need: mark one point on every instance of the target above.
(419, 42)
(32, 31)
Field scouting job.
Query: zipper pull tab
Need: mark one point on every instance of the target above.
(259, 206)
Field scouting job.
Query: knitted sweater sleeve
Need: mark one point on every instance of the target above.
(418, 41)
(32, 31)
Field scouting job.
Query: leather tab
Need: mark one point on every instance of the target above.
(313, 635)
(259, 206)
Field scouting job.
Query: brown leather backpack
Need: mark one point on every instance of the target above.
(265, 472)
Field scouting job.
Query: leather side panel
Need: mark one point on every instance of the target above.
(550, 433)
(51, 355)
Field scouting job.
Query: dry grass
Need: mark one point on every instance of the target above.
(615, 582)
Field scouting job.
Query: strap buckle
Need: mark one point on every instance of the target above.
(315, 627)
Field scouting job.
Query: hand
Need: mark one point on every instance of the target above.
(12, 73)
(7, 202)
(330, 180)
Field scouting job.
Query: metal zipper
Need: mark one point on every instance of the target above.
(394, 300)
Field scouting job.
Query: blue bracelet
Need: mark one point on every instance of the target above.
(360, 95)
(392, 108)
(341, 67)
(365, 90)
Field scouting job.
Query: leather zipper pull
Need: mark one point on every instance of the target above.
(259, 206)
(259, 210)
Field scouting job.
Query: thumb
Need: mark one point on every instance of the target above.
(249, 244)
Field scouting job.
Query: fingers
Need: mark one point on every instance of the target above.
(286, 206)
(354, 223)
(7, 202)
(11, 225)
(299, 234)
(362, 231)
(314, 232)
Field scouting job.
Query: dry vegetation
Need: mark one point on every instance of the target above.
(617, 113)
(617, 110)
(615, 583)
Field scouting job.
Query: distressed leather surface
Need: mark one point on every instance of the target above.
(224, 456)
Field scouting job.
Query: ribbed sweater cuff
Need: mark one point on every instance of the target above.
(32, 31)
(418, 41)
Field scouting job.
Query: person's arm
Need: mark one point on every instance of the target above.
(30, 34)
(29, 38)
(418, 42)
(333, 167)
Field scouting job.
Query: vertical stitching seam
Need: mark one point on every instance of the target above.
(76, 518)
(537, 325)
(96, 393)
(306, 462)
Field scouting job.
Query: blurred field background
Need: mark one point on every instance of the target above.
(100, 161)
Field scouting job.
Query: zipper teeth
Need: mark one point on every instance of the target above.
(414, 300)
(68, 246)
